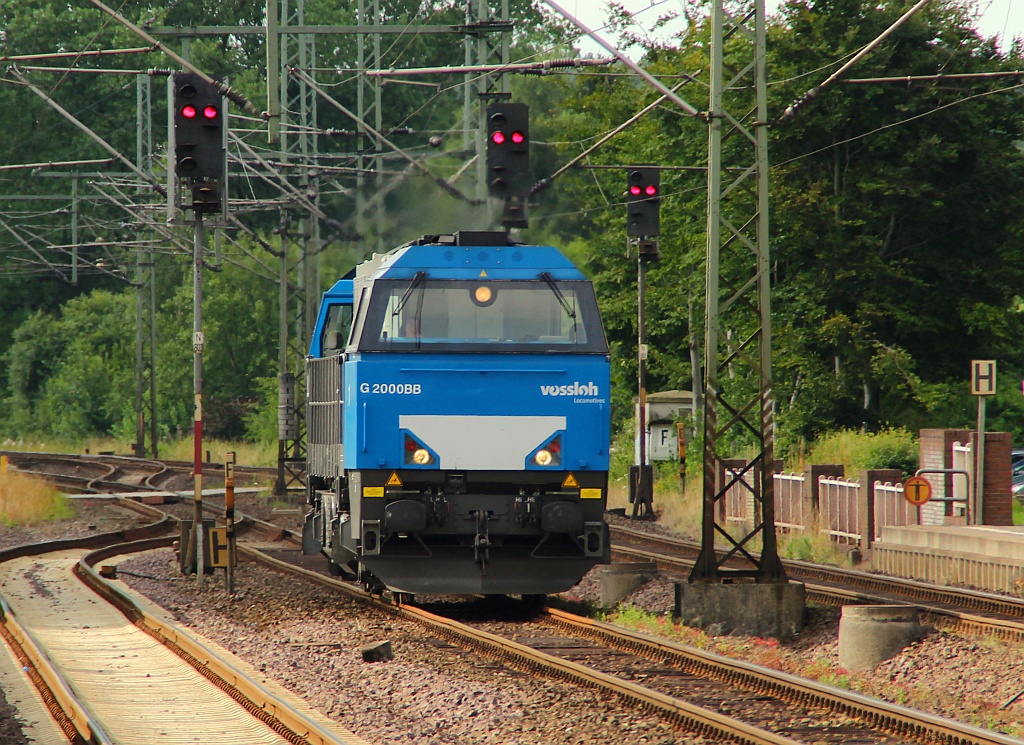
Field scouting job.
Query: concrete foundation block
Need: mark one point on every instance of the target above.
(870, 634)
(773, 610)
(618, 581)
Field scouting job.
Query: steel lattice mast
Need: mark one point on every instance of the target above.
(738, 312)
(145, 290)
(293, 125)
(482, 47)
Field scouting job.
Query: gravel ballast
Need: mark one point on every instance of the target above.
(309, 640)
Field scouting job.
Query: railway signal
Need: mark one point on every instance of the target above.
(643, 203)
(199, 153)
(508, 158)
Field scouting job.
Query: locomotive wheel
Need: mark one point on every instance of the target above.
(404, 598)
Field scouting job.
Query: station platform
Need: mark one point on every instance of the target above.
(988, 557)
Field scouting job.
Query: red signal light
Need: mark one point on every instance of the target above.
(634, 190)
(650, 190)
(518, 138)
(498, 138)
(189, 111)
(210, 112)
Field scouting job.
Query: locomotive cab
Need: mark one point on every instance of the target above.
(459, 442)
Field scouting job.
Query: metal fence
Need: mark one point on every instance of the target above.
(841, 506)
(789, 503)
(892, 509)
(963, 460)
(839, 509)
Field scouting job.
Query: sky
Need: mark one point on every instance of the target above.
(1003, 18)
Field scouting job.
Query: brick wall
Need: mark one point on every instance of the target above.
(997, 502)
(936, 451)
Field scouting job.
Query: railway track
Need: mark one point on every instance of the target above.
(705, 694)
(650, 673)
(107, 473)
(113, 672)
(951, 607)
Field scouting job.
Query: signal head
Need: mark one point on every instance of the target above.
(643, 197)
(199, 121)
(508, 152)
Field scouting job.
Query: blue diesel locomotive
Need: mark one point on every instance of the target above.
(458, 415)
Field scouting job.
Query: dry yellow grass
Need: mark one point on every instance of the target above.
(246, 454)
(678, 509)
(25, 500)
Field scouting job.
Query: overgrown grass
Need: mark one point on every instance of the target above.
(1018, 513)
(25, 500)
(48, 445)
(246, 453)
(814, 547)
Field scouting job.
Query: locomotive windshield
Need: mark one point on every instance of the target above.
(483, 315)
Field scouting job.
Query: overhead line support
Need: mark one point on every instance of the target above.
(816, 91)
(412, 161)
(92, 135)
(737, 262)
(666, 91)
(227, 91)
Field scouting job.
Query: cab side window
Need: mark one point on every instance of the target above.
(336, 329)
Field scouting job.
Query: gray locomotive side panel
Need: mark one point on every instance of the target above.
(323, 416)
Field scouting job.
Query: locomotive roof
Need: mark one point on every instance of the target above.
(474, 262)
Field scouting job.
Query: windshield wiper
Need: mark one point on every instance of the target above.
(569, 311)
(417, 280)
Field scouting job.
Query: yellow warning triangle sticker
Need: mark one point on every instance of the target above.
(570, 482)
(483, 273)
(394, 480)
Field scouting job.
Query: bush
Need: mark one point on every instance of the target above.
(890, 448)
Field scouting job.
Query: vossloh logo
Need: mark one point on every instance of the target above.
(576, 389)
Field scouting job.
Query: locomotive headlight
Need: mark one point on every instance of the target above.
(416, 453)
(483, 295)
(550, 454)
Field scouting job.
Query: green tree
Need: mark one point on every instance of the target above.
(896, 215)
(73, 375)
(240, 326)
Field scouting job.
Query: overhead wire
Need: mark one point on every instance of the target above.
(461, 83)
(899, 123)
